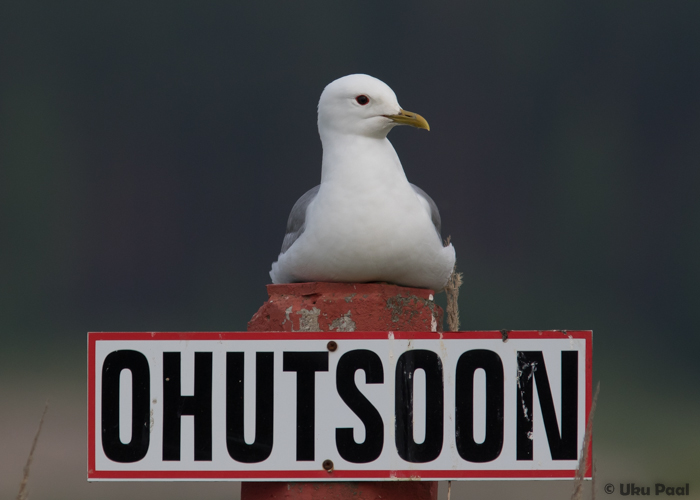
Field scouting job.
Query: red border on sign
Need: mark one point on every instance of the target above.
(94, 337)
(91, 405)
(354, 474)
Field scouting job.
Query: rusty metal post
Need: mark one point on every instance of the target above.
(345, 307)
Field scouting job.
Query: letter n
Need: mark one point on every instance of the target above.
(562, 445)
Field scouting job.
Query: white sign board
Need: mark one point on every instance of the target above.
(337, 406)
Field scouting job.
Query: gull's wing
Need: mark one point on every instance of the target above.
(297, 218)
(434, 212)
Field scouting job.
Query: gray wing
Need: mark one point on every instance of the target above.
(434, 212)
(297, 218)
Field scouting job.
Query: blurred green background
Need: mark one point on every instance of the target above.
(150, 153)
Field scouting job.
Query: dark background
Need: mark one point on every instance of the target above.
(150, 154)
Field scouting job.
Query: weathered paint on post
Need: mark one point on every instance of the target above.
(347, 307)
(393, 490)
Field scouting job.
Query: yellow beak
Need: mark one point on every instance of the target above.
(408, 118)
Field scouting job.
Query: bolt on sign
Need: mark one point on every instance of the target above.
(337, 406)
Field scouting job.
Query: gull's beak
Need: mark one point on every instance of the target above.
(408, 118)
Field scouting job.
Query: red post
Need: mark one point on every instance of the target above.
(345, 307)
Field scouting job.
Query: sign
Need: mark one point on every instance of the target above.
(337, 406)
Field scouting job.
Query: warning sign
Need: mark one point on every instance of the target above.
(337, 406)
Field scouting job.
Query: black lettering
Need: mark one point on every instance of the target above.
(306, 364)
(371, 448)
(531, 366)
(261, 447)
(175, 405)
(492, 365)
(407, 364)
(114, 363)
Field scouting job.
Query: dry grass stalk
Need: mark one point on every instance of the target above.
(23, 493)
(583, 461)
(452, 293)
(593, 482)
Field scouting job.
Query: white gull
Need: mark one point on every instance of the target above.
(365, 222)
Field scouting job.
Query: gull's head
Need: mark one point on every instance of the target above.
(362, 105)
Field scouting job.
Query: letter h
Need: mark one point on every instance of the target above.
(175, 405)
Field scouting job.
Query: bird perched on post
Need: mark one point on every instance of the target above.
(365, 222)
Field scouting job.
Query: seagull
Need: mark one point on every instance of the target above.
(365, 222)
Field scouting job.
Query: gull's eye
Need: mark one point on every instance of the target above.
(362, 99)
